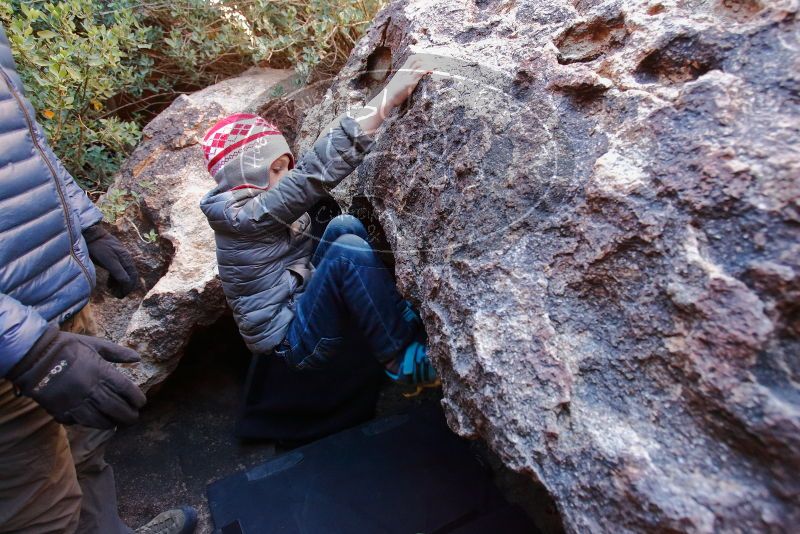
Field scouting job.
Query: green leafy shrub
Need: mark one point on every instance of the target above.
(73, 57)
(98, 70)
(204, 40)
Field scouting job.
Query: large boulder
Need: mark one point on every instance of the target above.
(154, 206)
(596, 205)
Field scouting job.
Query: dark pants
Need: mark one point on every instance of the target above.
(52, 478)
(350, 293)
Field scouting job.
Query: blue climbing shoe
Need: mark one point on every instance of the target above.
(415, 369)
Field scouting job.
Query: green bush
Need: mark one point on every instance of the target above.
(96, 70)
(206, 39)
(73, 57)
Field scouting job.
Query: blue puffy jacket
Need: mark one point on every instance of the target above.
(45, 271)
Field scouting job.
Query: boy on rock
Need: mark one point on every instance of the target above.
(290, 295)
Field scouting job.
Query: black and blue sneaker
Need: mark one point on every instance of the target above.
(414, 369)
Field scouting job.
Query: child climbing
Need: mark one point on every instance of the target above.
(289, 296)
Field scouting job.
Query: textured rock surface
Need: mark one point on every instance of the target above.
(159, 189)
(597, 208)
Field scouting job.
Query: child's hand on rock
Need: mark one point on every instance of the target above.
(395, 93)
(405, 80)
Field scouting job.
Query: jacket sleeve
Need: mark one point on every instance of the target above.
(77, 198)
(332, 158)
(20, 327)
(79, 201)
(88, 213)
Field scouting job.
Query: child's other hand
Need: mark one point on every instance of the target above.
(405, 80)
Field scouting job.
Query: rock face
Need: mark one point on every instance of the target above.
(159, 190)
(596, 205)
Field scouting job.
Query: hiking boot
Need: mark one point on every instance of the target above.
(178, 521)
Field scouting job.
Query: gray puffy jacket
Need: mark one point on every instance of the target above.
(45, 271)
(261, 235)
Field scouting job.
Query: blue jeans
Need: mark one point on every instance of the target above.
(350, 294)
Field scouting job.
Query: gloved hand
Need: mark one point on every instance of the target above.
(109, 253)
(70, 377)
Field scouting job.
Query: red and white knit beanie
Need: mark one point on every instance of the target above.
(240, 148)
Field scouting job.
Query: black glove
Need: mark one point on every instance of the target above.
(109, 253)
(70, 377)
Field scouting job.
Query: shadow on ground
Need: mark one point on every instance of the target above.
(184, 438)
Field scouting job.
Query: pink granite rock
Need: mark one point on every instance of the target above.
(596, 205)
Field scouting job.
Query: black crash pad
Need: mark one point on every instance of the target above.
(404, 474)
